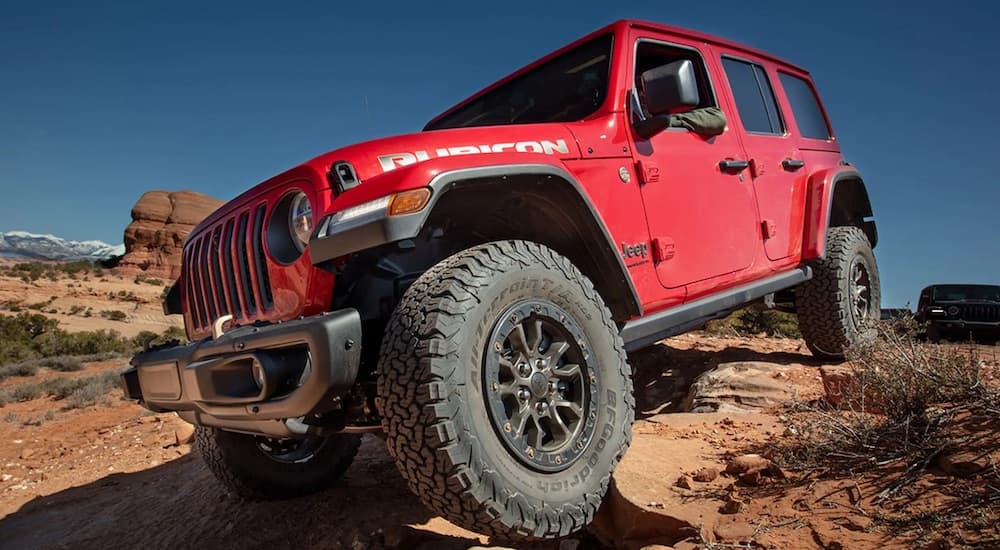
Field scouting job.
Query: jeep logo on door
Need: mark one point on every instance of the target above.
(638, 250)
(543, 147)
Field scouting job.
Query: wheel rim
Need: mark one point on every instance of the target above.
(290, 451)
(860, 291)
(540, 385)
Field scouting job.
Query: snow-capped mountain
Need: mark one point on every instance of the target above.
(23, 245)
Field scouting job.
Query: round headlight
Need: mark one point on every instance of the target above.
(300, 219)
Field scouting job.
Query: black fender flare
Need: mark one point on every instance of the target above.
(332, 242)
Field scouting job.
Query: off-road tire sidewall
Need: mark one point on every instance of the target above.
(246, 471)
(823, 304)
(472, 478)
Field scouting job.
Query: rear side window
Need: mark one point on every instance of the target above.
(805, 107)
(754, 97)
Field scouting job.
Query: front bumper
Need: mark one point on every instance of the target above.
(266, 380)
(959, 324)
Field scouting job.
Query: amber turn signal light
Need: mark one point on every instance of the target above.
(409, 202)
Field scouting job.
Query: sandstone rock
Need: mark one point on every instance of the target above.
(27, 453)
(161, 221)
(837, 382)
(963, 463)
(751, 478)
(747, 463)
(737, 387)
(644, 476)
(184, 435)
(684, 482)
(733, 530)
(705, 475)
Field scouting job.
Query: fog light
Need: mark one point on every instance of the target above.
(258, 375)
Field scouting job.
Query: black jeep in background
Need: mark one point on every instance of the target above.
(960, 312)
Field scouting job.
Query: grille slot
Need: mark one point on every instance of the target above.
(226, 250)
(225, 270)
(244, 263)
(267, 301)
(217, 286)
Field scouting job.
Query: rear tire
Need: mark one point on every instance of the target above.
(843, 295)
(504, 390)
(258, 468)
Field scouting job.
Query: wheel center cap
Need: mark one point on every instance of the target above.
(539, 384)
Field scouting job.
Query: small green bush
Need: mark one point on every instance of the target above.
(753, 321)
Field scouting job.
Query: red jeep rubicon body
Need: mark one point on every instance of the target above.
(470, 291)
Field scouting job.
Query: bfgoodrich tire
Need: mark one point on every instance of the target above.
(258, 468)
(505, 393)
(843, 296)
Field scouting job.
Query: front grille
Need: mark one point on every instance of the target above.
(225, 270)
(980, 313)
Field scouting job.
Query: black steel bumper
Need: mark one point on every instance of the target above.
(256, 379)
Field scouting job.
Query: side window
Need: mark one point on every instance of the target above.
(650, 55)
(754, 97)
(805, 107)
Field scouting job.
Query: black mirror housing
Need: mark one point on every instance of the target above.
(670, 86)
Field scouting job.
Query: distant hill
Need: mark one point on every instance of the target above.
(20, 245)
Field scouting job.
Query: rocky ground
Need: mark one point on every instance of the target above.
(114, 476)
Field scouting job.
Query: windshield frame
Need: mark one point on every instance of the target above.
(440, 122)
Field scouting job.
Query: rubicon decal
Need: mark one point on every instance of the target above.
(543, 147)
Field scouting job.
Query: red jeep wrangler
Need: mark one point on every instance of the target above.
(470, 292)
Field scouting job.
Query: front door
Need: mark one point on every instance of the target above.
(698, 198)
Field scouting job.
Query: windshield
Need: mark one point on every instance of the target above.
(565, 89)
(967, 292)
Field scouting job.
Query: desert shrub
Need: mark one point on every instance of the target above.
(60, 342)
(171, 334)
(10, 417)
(753, 321)
(76, 310)
(141, 278)
(94, 390)
(32, 271)
(23, 369)
(114, 315)
(898, 402)
(78, 392)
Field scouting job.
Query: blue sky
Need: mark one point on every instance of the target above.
(100, 101)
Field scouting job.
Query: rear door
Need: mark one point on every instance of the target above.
(776, 167)
(701, 216)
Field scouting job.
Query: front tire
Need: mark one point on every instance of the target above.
(843, 296)
(505, 393)
(258, 468)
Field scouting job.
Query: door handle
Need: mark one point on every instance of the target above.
(733, 165)
(792, 164)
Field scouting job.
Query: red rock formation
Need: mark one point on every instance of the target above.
(161, 221)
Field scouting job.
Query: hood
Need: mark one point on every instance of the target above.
(528, 143)
(504, 143)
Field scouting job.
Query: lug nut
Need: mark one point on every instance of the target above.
(541, 407)
(553, 386)
(540, 364)
(524, 370)
(523, 394)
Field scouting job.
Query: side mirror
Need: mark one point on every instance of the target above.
(670, 86)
